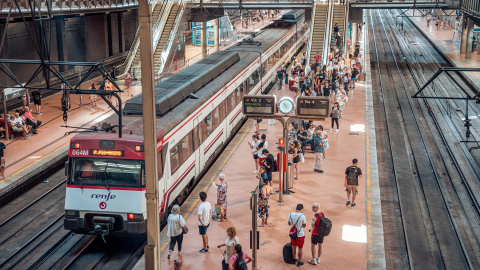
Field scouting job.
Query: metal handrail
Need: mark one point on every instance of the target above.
(136, 42)
(168, 43)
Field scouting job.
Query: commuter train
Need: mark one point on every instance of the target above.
(198, 111)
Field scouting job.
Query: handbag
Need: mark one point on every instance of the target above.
(325, 144)
(184, 228)
(302, 157)
(262, 202)
(218, 209)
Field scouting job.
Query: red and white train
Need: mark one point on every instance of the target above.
(105, 191)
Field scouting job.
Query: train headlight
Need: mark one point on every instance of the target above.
(75, 145)
(135, 217)
(72, 213)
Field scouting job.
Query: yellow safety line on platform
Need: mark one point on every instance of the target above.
(189, 212)
(31, 164)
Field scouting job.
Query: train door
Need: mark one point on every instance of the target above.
(197, 144)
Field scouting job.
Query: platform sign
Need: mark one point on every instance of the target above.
(259, 105)
(313, 106)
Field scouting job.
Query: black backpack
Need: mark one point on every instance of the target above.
(352, 176)
(325, 225)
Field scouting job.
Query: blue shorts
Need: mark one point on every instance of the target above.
(352, 79)
(203, 229)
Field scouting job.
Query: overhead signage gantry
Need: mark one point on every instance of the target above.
(266, 107)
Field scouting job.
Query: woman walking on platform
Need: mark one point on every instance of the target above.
(335, 114)
(229, 245)
(128, 83)
(93, 97)
(263, 200)
(175, 230)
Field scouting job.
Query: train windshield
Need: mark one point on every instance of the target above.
(107, 172)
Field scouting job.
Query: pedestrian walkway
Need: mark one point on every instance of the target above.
(446, 41)
(348, 238)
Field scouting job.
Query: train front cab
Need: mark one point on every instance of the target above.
(105, 191)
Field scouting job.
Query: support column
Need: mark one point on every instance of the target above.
(470, 25)
(59, 31)
(216, 24)
(108, 35)
(463, 36)
(204, 39)
(152, 249)
(478, 46)
(354, 36)
(121, 32)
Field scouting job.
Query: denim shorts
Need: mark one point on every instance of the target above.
(203, 229)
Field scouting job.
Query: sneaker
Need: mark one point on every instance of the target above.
(314, 262)
(169, 255)
(331, 129)
(353, 204)
(299, 264)
(348, 203)
(318, 260)
(255, 172)
(180, 253)
(336, 130)
(315, 170)
(294, 261)
(320, 171)
(39, 113)
(203, 250)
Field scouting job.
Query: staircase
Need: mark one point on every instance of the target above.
(339, 13)
(317, 35)
(136, 59)
(163, 38)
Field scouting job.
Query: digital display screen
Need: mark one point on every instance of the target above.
(99, 152)
(259, 105)
(313, 106)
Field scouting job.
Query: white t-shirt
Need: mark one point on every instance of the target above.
(254, 147)
(265, 146)
(175, 224)
(323, 134)
(204, 210)
(293, 217)
(18, 121)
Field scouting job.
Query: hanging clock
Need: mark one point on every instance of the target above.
(286, 105)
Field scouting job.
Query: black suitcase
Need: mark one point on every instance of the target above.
(287, 253)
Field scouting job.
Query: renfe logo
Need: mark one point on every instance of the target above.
(102, 205)
(103, 196)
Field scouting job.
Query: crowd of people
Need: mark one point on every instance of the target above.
(332, 80)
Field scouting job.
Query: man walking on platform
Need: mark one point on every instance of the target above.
(204, 214)
(316, 237)
(351, 181)
(318, 149)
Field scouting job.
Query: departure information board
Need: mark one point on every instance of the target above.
(259, 105)
(313, 106)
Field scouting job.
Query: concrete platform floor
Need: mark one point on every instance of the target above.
(349, 233)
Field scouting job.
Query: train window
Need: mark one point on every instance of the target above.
(187, 147)
(106, 172)
(207, 126)
(174, 159)
(232, 100)
(160, 165)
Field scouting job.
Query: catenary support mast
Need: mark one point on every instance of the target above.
(152, 250)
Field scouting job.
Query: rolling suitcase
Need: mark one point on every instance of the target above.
(287, 253)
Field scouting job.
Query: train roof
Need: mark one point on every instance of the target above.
(133, 124)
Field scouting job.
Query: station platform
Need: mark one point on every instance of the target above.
(444, 39)
(357, 232)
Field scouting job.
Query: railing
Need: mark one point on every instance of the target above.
(170, 40)
(127, 64)
(160, 23)
(328, 32)
(404, 1)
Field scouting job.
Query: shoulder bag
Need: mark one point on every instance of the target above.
(184, 228)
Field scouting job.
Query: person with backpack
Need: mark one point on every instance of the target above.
(317, 238)
(269, 164)
(297, 221)
(240, 259)
(351, 181)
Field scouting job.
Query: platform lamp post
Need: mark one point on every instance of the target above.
(152, 249)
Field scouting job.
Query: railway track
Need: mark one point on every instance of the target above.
(431, 221)
(33, 236)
